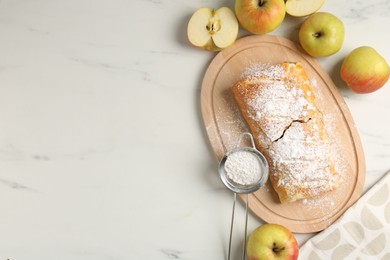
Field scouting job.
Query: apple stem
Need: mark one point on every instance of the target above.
(261, 3)
(277, 249)
(316, 35)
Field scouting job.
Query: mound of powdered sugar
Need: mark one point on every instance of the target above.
(243, 167)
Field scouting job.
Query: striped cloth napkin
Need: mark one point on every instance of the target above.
(363, 232)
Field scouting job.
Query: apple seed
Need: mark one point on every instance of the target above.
(213, 26)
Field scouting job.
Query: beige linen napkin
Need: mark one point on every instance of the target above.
(363, 232)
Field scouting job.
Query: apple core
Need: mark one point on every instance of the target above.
(213, 26)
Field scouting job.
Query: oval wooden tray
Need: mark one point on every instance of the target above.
(224, 125)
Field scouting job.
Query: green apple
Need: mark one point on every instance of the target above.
(260, 16)
(300, 8)
(364, 70)
(321, 34)
(272, 241)
(212, 30)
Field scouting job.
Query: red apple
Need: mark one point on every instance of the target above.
(364, 70)
(272, 241)
(260, 16)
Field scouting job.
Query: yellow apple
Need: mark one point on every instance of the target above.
(321, 34)
(260, 16)
(212, 30)
(272, 241)
(300, 8)
(364, 70)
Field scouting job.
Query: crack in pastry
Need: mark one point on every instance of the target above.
(284, 131)
(279, 107)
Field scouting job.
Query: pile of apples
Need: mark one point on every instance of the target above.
(321, 34)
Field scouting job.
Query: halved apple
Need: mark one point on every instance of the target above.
(303, 7)
(212, 30)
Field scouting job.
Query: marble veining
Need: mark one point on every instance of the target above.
(364, 10)
(14, 185)
(171, 254)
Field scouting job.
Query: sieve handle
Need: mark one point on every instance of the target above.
(250, 138)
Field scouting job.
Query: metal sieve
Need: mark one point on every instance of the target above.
(238, 188)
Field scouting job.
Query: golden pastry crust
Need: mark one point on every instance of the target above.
(279, 107)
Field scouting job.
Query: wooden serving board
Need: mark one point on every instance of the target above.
(224, 125)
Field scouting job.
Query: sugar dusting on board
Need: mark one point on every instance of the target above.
(229, 122)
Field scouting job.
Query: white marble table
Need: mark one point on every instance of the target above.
(102, 149)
